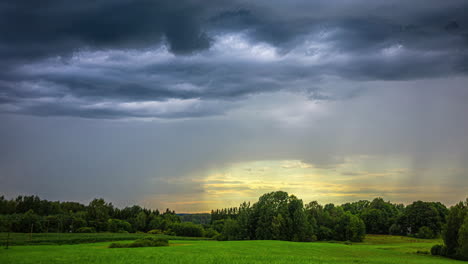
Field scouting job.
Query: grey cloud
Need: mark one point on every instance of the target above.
(363, 40)
(32, 30)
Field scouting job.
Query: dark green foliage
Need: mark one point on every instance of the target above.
(30, 213)
(231, 230)
(425, 232)
(269, 207)
(279, 216)
(356, 230)
(143, 242)
(218, 225)
(187, 229)
(379, 216)
(356, 207)
(86, 230)
(221, 214)
(201, 219)
(455, 220)
(455, 233)
(98, 214)
(211, 233)
(116, 225)
(420, 214)
(325, 233)
(155, 232)
(350, 227)
(462, 250)
(140, 222)
(395, 229)
(438, 250)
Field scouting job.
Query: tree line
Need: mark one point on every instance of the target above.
(275, 216)
(31, 214)
(278, 215)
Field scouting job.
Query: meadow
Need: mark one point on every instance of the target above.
(76, 238)
(378, 249)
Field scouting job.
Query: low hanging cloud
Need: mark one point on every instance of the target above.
(187, 59)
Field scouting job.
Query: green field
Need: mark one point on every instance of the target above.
(67, 239)
(375, 249)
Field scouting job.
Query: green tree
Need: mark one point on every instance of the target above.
(455, 220)
(356, 230)
(462, 250)
(245, 219)
(419, 214)
(375, 220)
(140, 221)
(300, 228)
(268, 206)
(116, 225)
(231, 230)
(98, 214)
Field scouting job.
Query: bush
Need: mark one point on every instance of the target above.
(187, 229)
(155, 232)
(438, 250)
(86, 230)
(425, 232)
(117, 225)
(211, 233)
(143, 242)
(169, 233)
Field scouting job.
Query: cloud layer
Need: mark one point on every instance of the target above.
(160, 59)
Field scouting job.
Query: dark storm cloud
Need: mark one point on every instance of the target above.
(50, 52)
(46, 28)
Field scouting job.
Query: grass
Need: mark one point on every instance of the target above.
(374, 250)
(68, 238)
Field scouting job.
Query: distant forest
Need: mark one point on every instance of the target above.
(275, 216)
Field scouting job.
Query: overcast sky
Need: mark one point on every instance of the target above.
(196, 105)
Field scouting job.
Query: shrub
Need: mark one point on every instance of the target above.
(425, 232)
(187, 229)
(438, 250)
(86, 230)
(169, 233)
(143, 242)
(211, 233)
(220, 237)
(117, 225)
(155, 232)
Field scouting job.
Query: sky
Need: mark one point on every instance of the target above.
(197, 105)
